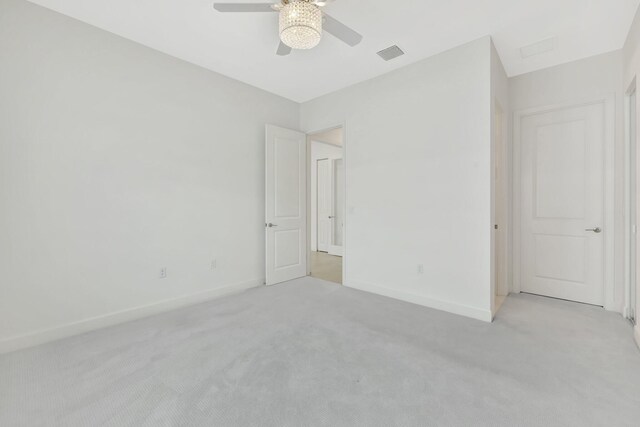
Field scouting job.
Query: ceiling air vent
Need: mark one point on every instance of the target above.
(539, 48)
(390, 53)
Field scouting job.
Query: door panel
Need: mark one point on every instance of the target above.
(563, 197)
(285, 207)
(287, 177)
(559, 164)
(286, 248)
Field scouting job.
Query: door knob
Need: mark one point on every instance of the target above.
(270, 225)
(595, 230)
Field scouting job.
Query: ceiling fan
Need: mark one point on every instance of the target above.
(301, 22)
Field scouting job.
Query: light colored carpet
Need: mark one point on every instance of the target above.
(326, 267)
(311, 353)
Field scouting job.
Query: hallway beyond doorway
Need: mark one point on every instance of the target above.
(326, 267)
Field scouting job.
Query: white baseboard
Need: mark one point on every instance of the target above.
(450, 307)
(636, 334)
(98, 322)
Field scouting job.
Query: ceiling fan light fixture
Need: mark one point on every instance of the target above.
(300, 24)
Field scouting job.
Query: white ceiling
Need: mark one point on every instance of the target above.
(242, 45)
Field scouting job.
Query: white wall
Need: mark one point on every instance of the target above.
(588, 79)
(631, 69)
(115, 161)
(417, 154)
(319, 150)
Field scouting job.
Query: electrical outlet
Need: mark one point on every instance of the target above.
(420, 269)
(163, 273)
(214, 264)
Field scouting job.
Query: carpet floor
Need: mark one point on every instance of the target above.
(312, 353)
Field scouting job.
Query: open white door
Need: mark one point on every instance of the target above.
(337, 206)
(325, 213)
(286, 205)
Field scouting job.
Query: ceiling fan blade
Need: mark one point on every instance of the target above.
(243, 7)
(283, 50)
(341, 31)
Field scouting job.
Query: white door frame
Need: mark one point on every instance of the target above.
(342, 125)
(608, 101)
(629, 188)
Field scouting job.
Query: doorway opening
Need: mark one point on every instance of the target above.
(326, 204)
(563, 187)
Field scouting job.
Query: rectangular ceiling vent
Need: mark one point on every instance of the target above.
(390, 53)
(539, 48)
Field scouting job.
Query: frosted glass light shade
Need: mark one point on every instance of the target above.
(300, 24)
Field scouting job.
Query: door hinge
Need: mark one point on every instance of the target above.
(495, 227)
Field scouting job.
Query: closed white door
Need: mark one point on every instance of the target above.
(324, 205)
(562, 203)
(286, 205)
